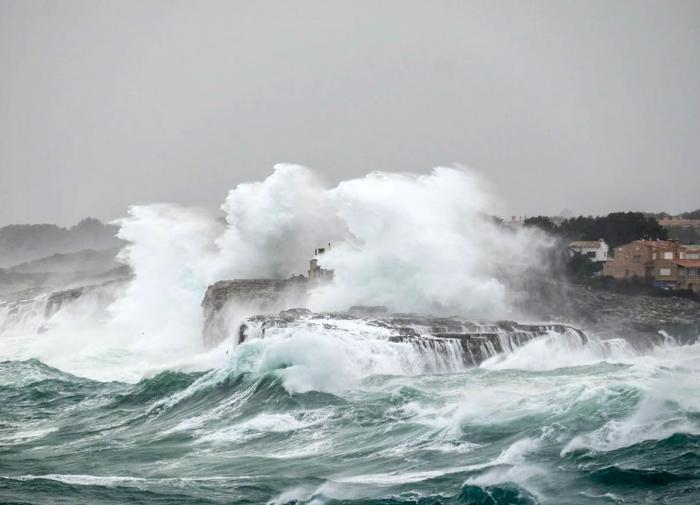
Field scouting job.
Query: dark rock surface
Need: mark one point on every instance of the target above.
(611, 314)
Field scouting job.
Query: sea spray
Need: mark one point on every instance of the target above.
(406, 241)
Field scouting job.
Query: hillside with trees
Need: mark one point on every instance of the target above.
(21, 243)
(616, 228)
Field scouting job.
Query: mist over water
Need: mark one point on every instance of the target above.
(116, 399)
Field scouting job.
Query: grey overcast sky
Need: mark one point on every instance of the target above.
(591, 106)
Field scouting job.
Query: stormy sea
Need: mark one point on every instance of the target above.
(149, 386)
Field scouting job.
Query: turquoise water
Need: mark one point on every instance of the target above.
(564, 428)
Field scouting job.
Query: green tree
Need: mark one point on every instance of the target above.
(542, 222)
(616, 228)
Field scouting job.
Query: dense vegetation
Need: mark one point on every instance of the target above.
(616, 228)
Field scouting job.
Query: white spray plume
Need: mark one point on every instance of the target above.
(272, 225)
(171, 254)
(427, 245)
(409, 242)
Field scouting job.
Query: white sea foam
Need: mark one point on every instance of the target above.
(26, 435)
(667, 379)
(263, 424)
(559, 350)
(336, 359)
(121, 480)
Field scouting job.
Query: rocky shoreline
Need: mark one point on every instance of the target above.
(604, 313)
(466, 341)
(611, 314)
(227, 304)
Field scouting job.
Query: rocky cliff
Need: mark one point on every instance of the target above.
(226, 303)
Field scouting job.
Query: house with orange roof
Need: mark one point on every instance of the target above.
(667, 262)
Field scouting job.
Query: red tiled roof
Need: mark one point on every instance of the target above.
(688, 263)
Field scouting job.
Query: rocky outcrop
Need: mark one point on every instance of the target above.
(470, 342)
(225, 302)
(636, 318)
(610, 314)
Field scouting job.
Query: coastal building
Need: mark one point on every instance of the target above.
(315, 270)
(688, 274)
(666, 262)
(594, 250)
(515, 221)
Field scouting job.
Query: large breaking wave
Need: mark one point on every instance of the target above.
(409, 242)
(115, 399)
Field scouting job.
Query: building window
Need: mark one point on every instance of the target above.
(668, 255)
(664, 271)
(637, 258)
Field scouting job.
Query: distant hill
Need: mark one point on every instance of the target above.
(693, 214)
(62, 271)
(23, 243)
(87, 261)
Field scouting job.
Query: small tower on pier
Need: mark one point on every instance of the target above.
(317, 273)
